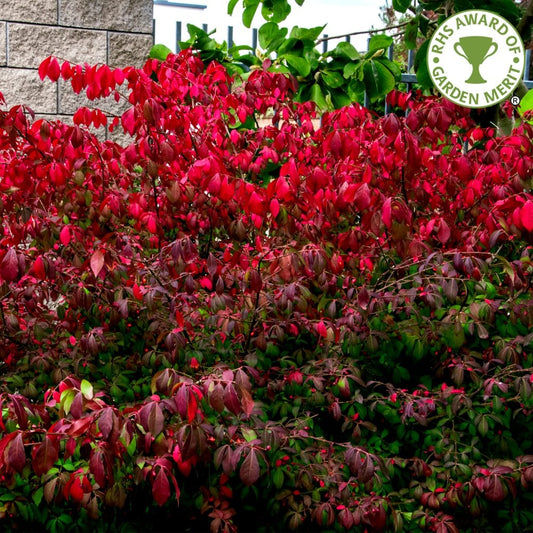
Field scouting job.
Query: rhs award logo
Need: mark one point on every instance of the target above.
(476, 58)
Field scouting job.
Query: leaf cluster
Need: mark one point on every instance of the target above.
(288, 325)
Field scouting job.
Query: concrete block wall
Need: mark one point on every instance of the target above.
(117, 32)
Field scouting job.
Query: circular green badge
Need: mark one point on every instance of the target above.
(476, 58)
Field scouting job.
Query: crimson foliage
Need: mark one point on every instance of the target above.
(274, 327)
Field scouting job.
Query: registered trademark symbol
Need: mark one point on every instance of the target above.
(476, 59)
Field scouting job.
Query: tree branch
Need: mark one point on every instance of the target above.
(401, 25)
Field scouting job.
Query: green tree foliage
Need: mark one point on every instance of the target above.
(337, 77)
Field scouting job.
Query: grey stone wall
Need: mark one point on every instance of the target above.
(117, 32)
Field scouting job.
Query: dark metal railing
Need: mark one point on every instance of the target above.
(408, 77)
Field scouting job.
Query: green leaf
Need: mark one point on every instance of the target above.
(483, 426)
(401, 5)
(37, 496)
(249, 434)
(340, 99)
(332, 79)
(349, 69)
(454, 336)
(346, 49)
(424, 25)
(298, 63)
(132, 446)
(249, 12)
(526, 104)
(310, 34)
(231, 6)
(86, 389)
(378, 42)
(317, 96)
(66, 399)
(195, 31)
(277, 478)
(392, 66)
(411, 33)
(378, 79)
(159, 51)
(271, 35)
(289, 45)
(275, 10)
(421, 66)
(356, 89)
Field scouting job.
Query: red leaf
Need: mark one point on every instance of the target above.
(76, 407)
(321, 329)
(137, 291)
(282, 188)
(249, 471)
(231, 400)
(20, 411)
(362, 197)
(152, 418)
(181, 399)
(256, 204)
(335, 144)
(9, 268)
(96, 466)
(70, 448)
(38, 268)
(216, 398)
(81, 116)
(206, 284)
(128, 121)
(53, 69)
(161, 487)
(105, 421)
(211, 265)
(526, 215)
(214, 184)
(363, 297)
(247, 402)
(97, 262)
(152, 223)
(43, 68)
(118, 74)
(444, 232)
(192, 406)
(14, 454)
(386, 212)
(274, 207)
(66, 70)
(227, 190)
(74, 489)
(80, 426)
(44, 456)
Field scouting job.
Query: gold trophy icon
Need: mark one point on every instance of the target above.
(475, 50)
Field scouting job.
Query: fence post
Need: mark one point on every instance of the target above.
(367, 99)
(390, 56)
(178, 35)
(527, 67)
(254, 39)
